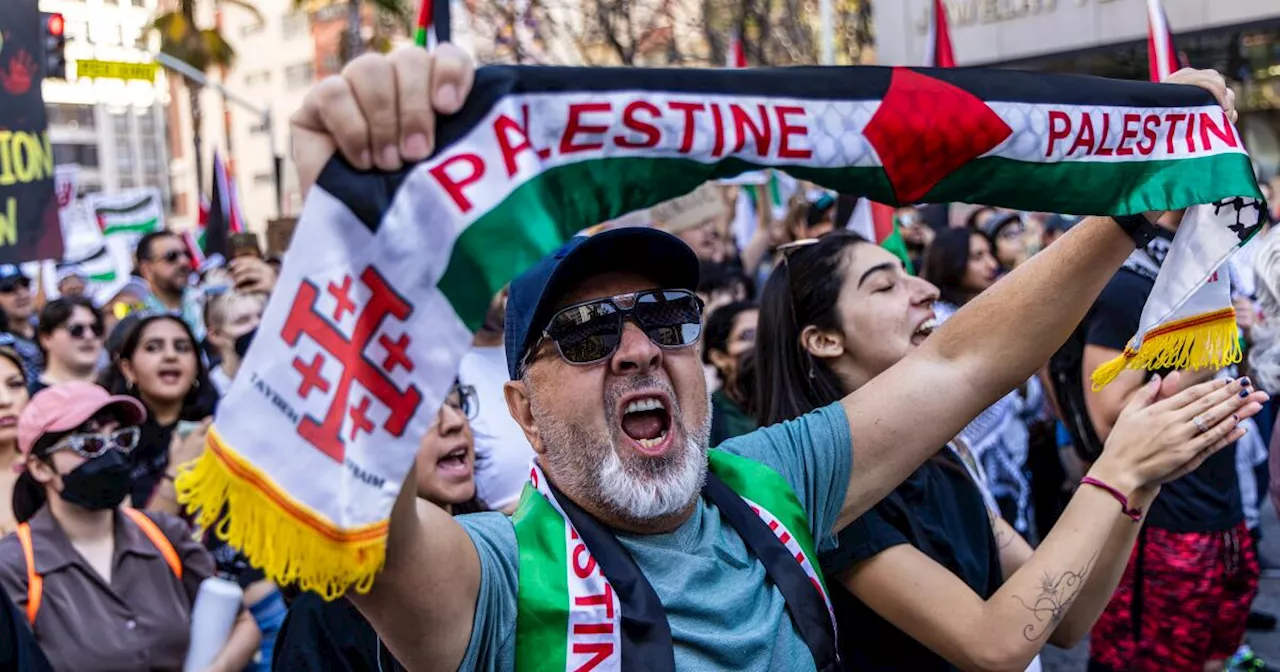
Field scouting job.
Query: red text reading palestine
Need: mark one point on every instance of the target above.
(745, 130)
(584, 566)
(1140, 134)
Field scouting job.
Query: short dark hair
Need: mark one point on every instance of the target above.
(946, 261)
(715, 336)
(803, 290)
(58, 311)
(145, 243)
(718, 276)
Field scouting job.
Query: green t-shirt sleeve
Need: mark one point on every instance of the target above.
(814, 453)
(493, 634)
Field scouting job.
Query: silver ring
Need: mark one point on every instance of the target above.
(1199, 424)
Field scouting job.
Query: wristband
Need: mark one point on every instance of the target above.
(1134, 513)
(1138, 227)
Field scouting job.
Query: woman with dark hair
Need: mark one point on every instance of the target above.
(961, 266)
(13, 398)
(320, 636)
(103, 586)
(728, 337)
(70, 333)
(156, 361)
(931, 579)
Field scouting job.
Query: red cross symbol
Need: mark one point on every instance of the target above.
(311, 377)
(396, 353)
(383, 303)
(342, 297)
(360, 421)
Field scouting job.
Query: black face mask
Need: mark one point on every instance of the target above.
(98, 484)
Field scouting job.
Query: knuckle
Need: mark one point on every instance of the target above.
(331, 92)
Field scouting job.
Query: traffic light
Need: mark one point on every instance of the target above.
(55, 44)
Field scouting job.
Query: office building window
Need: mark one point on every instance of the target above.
(146, 123)
(294, 25)
(299, 76)
(78, 117)
(139, 3)
(120, 124)
(124, 158)
(150, 157)
(82, 155)
(331, 64)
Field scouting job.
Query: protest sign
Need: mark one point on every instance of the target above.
(29, 227)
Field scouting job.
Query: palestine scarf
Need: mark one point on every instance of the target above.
(390, 273)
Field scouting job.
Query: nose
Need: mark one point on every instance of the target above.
(922, 291)
(636, 353)
(450, 421)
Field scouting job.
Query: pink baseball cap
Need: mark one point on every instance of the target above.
(66, 406)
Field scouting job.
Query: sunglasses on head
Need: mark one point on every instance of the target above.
(12, 285)
(91, 445)
(591, 331)
(123, 310)
(79, 331)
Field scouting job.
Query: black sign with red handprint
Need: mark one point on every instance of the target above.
(29, 228)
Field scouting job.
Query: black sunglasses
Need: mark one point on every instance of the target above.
(11, 286)
(590, 332)
(172, 256)
(79, 331)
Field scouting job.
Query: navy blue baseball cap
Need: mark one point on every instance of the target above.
(533, 297)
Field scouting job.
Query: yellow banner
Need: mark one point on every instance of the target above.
(90, 69)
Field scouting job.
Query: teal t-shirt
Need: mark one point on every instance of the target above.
(723, 611)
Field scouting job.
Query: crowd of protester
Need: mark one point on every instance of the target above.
(102, 398)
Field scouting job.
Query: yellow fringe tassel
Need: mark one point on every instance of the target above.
(280, 536)
(1209, 340)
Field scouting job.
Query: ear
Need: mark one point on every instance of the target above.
(821, 343)
(44, 340)
(40, 470)
(720, 359)
(518, 404)
(126, 368)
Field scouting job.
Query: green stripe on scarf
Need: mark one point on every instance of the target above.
(542, 555)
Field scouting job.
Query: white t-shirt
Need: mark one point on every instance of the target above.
(502, 452)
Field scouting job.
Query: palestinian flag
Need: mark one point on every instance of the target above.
(136, 217)
(938, 52)
(390, 273)
(432, 26)
(1162, 56)
(878, 223)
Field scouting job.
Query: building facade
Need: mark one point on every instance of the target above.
(1240, 38)
(113, 130)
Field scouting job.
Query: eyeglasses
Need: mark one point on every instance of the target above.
(92, 445)
(591, 331)
(13, 285)
(79, 331)
(173, 256)
(463, 399)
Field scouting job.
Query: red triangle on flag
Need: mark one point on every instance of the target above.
(917, 151)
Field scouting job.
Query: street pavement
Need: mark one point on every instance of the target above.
(1266, 644)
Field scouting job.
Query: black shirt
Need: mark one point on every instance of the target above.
(938, 510)
(1207, 499)
(18, 648)
(319, 636)
(149, 460)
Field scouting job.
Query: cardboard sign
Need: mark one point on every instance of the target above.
(693, 209)
(279, 233)
(29, 228)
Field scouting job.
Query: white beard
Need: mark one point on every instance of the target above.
(649, 496)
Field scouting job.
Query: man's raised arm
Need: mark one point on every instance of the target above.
(998, 340)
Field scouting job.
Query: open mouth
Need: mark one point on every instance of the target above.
(455, 463)
(169, 377)
(924, 330)
(647, 421)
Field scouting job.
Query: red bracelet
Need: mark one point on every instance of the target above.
(1135, 513)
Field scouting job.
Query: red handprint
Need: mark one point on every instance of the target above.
(21, 71)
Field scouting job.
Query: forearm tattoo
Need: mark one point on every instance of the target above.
(1056, 594)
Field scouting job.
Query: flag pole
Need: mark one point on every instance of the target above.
(828, 36)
